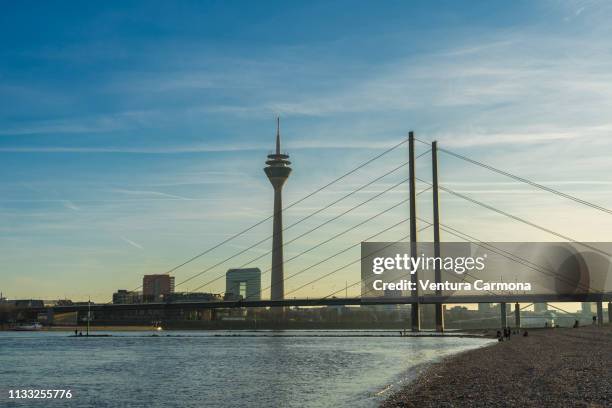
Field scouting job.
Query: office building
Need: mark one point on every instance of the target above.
(243, 284)
(155, 287)
(123, 297)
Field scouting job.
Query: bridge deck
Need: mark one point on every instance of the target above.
(592, 297)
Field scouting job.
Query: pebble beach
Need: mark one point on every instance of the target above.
(548, 368)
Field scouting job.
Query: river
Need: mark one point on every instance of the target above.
(217, 369)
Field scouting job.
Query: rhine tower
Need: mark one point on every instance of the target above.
(278, 171)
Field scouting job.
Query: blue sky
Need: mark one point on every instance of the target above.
(133, 134)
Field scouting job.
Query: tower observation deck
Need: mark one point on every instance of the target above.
(278, 171)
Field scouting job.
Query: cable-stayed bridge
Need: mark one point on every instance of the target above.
(410, 222)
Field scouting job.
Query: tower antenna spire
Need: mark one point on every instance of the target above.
(278, 135)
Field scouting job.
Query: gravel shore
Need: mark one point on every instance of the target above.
(549, 368)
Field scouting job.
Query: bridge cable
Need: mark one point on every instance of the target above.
(333, 256)
(466, 274)
(349, 264)
(321, 225)
(517, 218)
(236, 235)
(514, 257)
(299, 221)
(359, 243)
(521, 179)
(320, 243)
(527, 181)
(318, 190)
(564, 311)
(511, 256)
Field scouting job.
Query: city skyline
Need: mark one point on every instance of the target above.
(113, 147)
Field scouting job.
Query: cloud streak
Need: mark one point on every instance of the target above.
(132, 243)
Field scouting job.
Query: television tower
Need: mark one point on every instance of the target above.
(278, 171)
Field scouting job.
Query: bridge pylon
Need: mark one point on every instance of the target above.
(415, 313)
(439, 310)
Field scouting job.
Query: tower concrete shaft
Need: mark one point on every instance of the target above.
(278, 171)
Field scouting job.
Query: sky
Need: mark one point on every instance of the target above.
(133, 134)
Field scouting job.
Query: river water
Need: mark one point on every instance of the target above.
(217, 369)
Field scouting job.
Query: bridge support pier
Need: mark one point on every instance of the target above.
(517, 315)
(600, 313)
(50, 316)
(504, 318)
(439, 317)
(415, 317)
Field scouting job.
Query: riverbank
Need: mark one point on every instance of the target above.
(155, 331)
(549, 368)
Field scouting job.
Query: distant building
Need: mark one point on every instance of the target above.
(390, 294)
(123, 297)
(87, 302)
(484, 307)
(28, 303)
(540, 307)
(243, 284)
(155, 287)
(178, 297)
(588, 308)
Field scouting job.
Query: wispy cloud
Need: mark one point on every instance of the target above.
(132, 243)
(69, 204)
(147, 193)
(203, 148)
